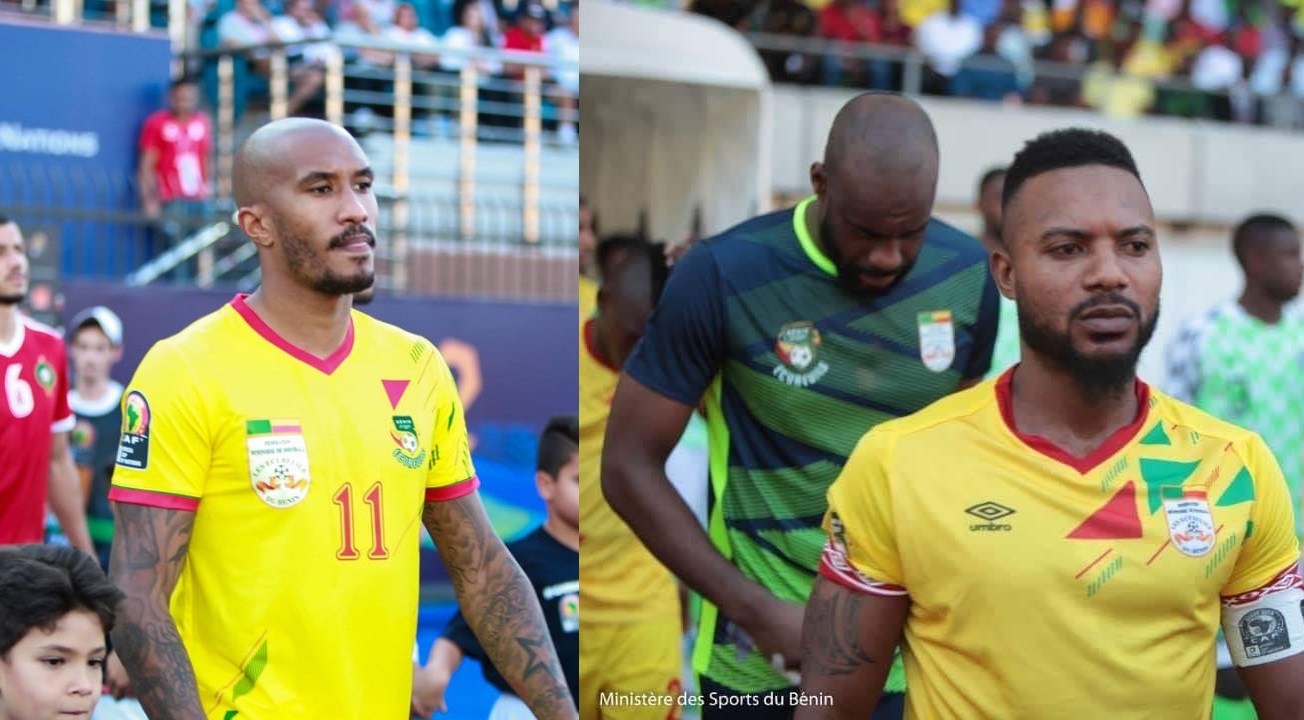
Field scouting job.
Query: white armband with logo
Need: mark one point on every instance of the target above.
(1266, 625)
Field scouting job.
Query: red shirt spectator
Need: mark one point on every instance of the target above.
(175, 145)
(526, 35)
(849, 21)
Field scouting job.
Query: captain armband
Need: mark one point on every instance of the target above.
(1267, 624)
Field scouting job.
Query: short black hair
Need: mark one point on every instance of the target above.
(40, 584)
(611, 246)
(183, 80)
(1250, 227)
(558, 443)
(1066, 148)
(990, 175)
(5, 219)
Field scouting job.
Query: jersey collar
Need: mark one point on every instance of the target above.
(808, 243)
(326, 365)
(1112, 444)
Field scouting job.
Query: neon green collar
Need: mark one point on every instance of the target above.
(808, 243)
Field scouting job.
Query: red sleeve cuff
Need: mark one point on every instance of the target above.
(833, 566)
(1288, 579)
(454, 491)
(149, 498)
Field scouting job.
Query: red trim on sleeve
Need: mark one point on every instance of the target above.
(167, 501)
(591, 344)
(326, 365)
(1112, 444)
(1284, 580)
(835, 566)
(454, 491)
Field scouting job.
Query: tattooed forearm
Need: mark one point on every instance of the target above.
(830, 642)
(149, 549)
(499, 605)
(846, 649)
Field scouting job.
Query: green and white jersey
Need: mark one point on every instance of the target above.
(1007, 351)
(1247, 372)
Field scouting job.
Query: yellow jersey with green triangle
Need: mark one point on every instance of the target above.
(1044, 585)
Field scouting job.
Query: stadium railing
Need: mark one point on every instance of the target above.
(777, 49)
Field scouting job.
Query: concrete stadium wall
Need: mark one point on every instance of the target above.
(1196, 172)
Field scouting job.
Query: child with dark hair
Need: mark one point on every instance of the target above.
(56, 610)
(550, 558)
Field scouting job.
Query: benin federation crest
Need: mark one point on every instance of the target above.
(1190, 521)
(278, 461)
(936, 339)
(409, 453)
(798, 348)
(45, 375)
(569, 611)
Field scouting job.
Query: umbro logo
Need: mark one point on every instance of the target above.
(990, 512)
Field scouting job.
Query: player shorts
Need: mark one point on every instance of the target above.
(631, 671)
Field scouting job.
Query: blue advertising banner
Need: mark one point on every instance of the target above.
(72, 101)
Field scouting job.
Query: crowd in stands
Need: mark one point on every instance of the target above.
(1231, 60)
(527, 26)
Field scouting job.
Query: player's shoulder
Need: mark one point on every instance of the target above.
(958, 407)
(389, 337)
(1183, 415)
(773, 230)
(941, 235)
(1202, 322)
(39, 334)
(209, 338)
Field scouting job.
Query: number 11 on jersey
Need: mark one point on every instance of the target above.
(344, 498)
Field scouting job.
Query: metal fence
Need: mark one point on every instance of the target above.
(422, 251)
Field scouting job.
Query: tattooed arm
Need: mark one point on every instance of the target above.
(847, 643)
(499, 605)
(149, 549)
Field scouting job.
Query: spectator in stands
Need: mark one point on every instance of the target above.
(365, 68)
(490, 17)
(1217, 69)
(382, 11)
(1061, 87)
(95, 344)
(1113, 89)
(848, 21)
(997, 82)
(301, 22)
(407, 30)
(947, 38)
(471, 32)
(250, 24)
(173, 175)
(563, 46)
(526, 35)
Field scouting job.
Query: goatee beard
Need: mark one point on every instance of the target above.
(13, 299)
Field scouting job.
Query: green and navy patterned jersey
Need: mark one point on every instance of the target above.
(793, 369)
(1240, 369)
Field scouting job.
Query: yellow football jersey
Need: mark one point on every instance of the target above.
(588, 297)
(1047, 586)
(620, 580)
(307, 477)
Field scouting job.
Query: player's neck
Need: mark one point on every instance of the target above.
(1048, 402)
(1259, 305)
(602, 346)
(563, 533)
(8, 322)
(91, 388)
(309, 320)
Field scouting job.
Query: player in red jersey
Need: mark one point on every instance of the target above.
(35, 461)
